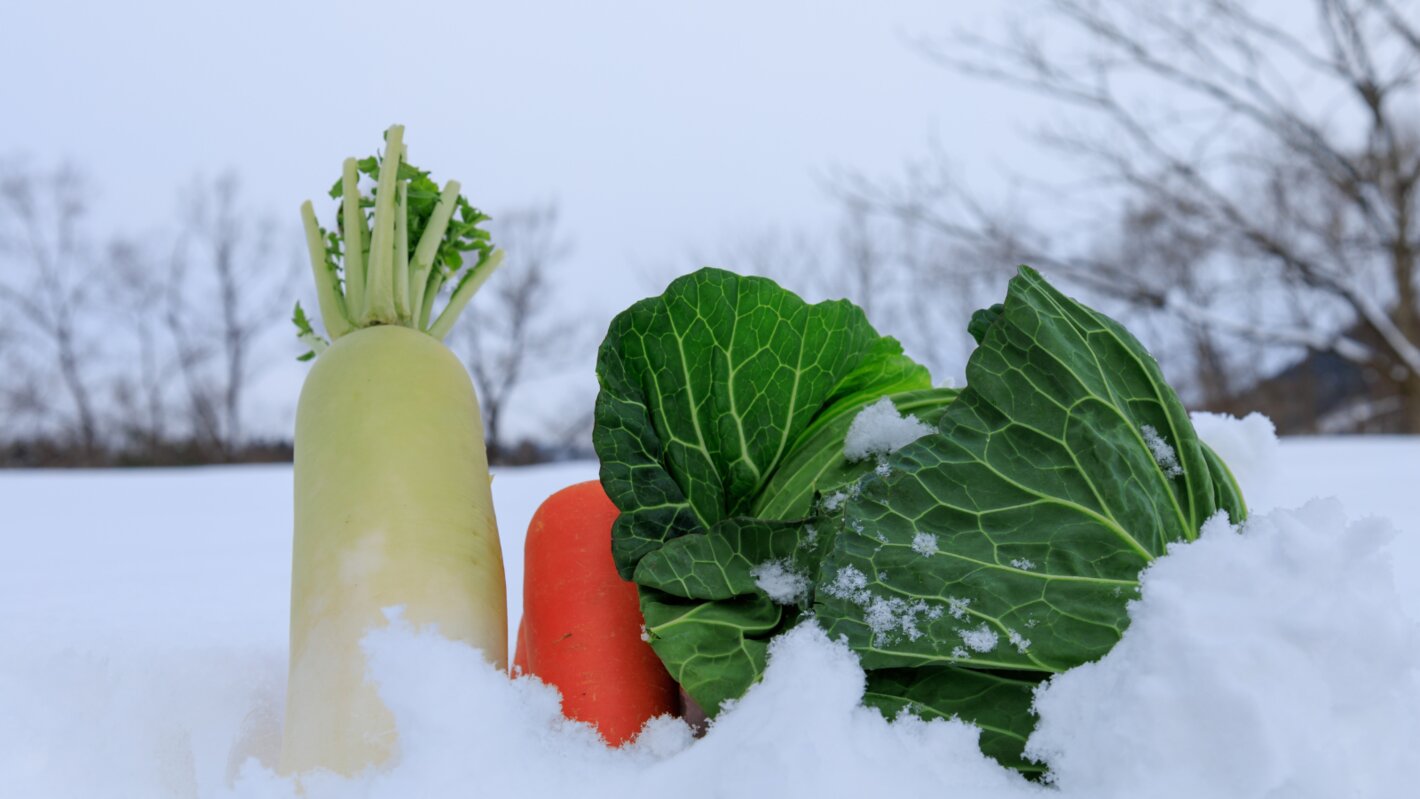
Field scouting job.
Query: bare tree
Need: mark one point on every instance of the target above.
(22, 406)
(521, 330)
(51, 286)
(140, 388)
(226, 288)
(1291, 150)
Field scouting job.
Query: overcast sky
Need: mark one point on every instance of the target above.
(659, 127)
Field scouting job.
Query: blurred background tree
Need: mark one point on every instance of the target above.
(51, 298)
(522, 328)
(1243, 193)
(226, 259)
(1256, 177)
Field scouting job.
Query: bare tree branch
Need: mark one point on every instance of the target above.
(40, 228)
(140, 389)
(1208, 122)
(522, 331)
(226, 284)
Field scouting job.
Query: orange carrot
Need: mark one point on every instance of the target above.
(582, 625)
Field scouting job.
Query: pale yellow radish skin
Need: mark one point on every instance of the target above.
(392, 499)
(392, 509)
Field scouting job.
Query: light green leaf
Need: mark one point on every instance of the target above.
(707, 392)
(715, 650)
(719, 563)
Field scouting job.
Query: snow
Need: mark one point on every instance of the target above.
(849, 584)
(1249, 446)
(980, 639)
(143, 625)
(924, 544)
(887, 617)
(151, 557)
(957, 607)
(1292, 674)
(1162, 451)
(1020, 642)
(1217, 523)
(879, 429)
(778, 579)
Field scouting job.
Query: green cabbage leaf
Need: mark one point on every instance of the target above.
(964, 567)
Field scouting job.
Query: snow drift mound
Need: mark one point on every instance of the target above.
(1271, 661)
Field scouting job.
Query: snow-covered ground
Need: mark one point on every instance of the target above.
(143, 636)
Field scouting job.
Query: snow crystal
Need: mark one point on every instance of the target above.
(850, 584)
(778, 579)
(887, 617)
(957, 606)
(924, 544)
(980, 639)
(879, 429)
(1162, 451)
(1023, 564)
(810, 534)
(1020, 642)
(834, 501)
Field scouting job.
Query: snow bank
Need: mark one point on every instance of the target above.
(149, 723)
(1275, 662)
(467, 730)
(1248, 446)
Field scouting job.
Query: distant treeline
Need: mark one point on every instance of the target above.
(144, 351)
(42, 453)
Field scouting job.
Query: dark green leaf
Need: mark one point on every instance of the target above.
(982, 320)
(1013, 538)
(999, 703)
